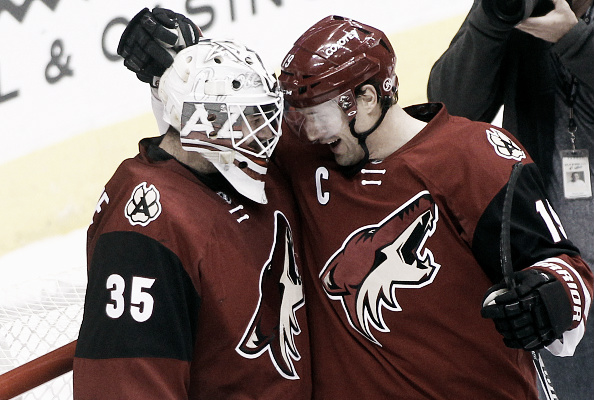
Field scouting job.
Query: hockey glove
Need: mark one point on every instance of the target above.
(533, 314)
(151, 40)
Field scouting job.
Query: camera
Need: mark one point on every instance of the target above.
(514, 11)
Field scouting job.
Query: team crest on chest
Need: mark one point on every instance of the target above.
(144, 205)
(377, 260)
(504, 146)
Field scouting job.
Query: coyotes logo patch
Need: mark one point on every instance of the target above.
(504, 146)
(144, 205)
(274, 326)
(376, 260)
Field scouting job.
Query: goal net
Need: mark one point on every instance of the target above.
(41, 308)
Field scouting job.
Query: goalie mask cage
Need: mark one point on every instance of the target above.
(37, 316)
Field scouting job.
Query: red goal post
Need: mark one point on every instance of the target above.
(37, 372)
(41, 309)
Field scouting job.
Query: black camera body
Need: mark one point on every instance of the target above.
(514, 11)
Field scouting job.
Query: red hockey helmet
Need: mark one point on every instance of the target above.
(332, 58)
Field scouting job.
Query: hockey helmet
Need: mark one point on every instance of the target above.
(334, 57)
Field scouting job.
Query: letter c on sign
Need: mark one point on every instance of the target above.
(323, 197)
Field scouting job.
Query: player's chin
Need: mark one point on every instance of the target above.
(345, 160)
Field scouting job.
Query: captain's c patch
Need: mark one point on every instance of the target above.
(144, 205)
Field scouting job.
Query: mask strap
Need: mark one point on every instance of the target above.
(352, 170)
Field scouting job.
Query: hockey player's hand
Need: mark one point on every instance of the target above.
(533, 314)
(151, 40)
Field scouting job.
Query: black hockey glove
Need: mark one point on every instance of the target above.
(151, 39)
(533, 314)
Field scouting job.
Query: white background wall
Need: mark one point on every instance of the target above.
(63, 131)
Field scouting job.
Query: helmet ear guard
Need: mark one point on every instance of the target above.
(226, 106)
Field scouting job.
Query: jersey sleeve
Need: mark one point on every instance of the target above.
(579, 289)
(538, 240)
(138, 331)
(576, 49)
(468, 75)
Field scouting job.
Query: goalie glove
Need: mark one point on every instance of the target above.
(151, 40)
(533, 314)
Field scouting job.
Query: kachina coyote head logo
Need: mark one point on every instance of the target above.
(376, 260)
(274, 325)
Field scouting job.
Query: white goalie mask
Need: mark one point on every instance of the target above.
(226, 106)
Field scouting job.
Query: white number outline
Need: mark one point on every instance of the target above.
(116, 285)
(141, 302)
(551, 220)
(323, 196)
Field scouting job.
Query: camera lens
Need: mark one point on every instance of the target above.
(509, 8)
(514, 11)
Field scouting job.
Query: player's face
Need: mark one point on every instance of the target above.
(257, 132)
(327, 124)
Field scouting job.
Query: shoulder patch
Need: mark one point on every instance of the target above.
(144, 205)
(504, 146)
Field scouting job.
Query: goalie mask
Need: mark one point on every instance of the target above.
(226, 106)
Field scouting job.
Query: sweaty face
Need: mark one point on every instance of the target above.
(326, 124)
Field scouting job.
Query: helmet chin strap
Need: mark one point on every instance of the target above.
(352, 170)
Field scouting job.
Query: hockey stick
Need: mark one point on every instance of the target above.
(505, 241)
(37, 372)
(508, 272)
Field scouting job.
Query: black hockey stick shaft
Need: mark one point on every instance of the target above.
(508, 271)
(505, 238)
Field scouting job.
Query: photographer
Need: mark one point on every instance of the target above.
(534, 58)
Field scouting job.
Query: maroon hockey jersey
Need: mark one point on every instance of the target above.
(194, 292)
(400, 256)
